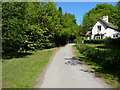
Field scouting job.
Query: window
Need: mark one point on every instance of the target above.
(97, 37)
(115, 35)
(99, 28)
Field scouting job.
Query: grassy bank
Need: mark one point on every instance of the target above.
(110, 76)
(23, 72)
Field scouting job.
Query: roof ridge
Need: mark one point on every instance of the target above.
(110, 25)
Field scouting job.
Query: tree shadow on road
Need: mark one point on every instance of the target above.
(72, 61)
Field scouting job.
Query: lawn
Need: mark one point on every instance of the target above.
(23, 72)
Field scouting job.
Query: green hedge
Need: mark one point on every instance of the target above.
(106, 58)
(112, 41)
(104, 41)
(95, 41)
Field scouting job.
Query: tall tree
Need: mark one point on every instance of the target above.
(34, 25)
(118, 14)
(13, 24)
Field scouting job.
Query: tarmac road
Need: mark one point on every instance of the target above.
(65, 71)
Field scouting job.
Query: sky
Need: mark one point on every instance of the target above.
(79, 8)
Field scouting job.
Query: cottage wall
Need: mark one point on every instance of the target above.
(95, 29)
(110, 32)
(104, 31)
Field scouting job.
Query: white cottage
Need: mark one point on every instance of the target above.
(102, 29)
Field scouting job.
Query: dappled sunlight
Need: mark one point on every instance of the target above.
(72, 61)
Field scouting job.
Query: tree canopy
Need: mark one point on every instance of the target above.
(38, 25)
(35, 25)
(98, 12)
(118, 17)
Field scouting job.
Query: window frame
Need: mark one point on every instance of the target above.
(115, 35)
(99, 27)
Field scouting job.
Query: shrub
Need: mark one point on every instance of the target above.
(105, 58)
(95, 41)
(79, 40)
(112, 41)
(107, 41)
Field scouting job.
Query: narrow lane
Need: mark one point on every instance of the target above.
(65, 71)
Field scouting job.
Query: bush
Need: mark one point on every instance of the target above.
(79, 40)
(107, 41)
(112, 41)
(105, 58)
(95, 41)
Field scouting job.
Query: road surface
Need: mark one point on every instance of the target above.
(65, 71)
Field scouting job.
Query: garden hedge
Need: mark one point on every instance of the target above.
(106, 58)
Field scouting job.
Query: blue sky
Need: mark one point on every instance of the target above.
(79, 8)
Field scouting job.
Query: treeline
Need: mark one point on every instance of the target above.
(35, 25)
(38, 25)
(113, 13)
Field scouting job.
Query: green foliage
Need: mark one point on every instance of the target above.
(79, 40)
(111, 77)
(106, 58)
(95, 41)
(35, 25)
(13, 17)
(112, 42)
(118, 14)
(98, 12)
(107, 41)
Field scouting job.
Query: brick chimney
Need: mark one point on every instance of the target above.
(105, 18)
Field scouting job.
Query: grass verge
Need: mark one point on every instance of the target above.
(23, 72)
(108, 76)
